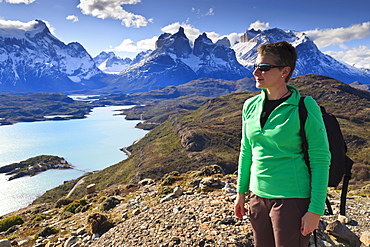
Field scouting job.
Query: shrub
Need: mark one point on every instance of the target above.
(63, 201)
(5, 224)
(40, 217)
(74, 205)
(164, 190)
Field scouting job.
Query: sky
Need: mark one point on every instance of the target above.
(339, 28)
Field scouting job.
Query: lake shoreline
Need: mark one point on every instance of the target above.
(88, 145)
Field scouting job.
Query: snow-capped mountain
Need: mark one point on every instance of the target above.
(310, 59)
(33, 60)
(175, 62)
(111, 63)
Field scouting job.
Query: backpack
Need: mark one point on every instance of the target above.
(340, 164)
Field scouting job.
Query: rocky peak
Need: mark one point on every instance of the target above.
(202, 45)
(224, 41)
(177, 43)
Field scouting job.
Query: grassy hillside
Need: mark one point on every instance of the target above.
(190, 139)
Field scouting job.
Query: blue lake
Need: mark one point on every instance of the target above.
(92, 144)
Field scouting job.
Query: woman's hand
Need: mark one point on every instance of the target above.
(239, 208)
(309, 222)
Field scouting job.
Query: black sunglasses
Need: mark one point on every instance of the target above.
(267, 67)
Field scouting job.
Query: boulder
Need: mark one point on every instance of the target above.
(146, 181)
(91, 188)
(109, 203)
(5, 243)
(337, 229)
(98, 224)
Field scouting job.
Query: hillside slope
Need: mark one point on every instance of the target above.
(211, 135)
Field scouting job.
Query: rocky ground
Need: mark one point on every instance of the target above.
(171, 212)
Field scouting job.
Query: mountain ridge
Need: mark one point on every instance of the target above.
(310, 59)
(33, 60)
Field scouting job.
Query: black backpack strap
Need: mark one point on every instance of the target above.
(328, 205)
(302, 117)
(346, 178)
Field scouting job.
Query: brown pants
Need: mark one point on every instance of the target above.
(277, 222)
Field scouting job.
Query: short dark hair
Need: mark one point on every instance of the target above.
(283, 54)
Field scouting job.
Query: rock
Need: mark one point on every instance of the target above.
(5, 243)
(195, 183)
(365, 238)
(229, 220)
(125, 216)
(98, 223)
(47, 231)
(136, 211)
(91, 188)
(81, 231)
(146, 181)
(168, 198)
(340, 231)
(344, 219)
(177, 191)
(210, 170)
(190, 140)
(109, 203)
(211, 183)
(71, 241)
(23, 242)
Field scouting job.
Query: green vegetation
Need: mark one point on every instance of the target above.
(5, 224)
(73, 206)
(40, 217)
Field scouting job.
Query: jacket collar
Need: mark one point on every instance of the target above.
(293, 99)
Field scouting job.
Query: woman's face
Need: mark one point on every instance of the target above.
(268, 79)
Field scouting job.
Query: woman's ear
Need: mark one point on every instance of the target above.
(286, 71)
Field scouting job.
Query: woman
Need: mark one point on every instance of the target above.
(286, 200)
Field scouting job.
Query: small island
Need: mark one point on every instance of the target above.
(34, 166)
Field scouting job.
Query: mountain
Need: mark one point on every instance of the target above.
(33, 60)
(111, 63)
(175, 62)
(310, 59)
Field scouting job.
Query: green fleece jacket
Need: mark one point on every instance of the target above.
(271, 163)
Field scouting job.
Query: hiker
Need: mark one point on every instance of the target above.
(286, 199)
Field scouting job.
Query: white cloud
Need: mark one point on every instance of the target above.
(128, 45)
(113, 9)
(28, 26)
(25, 26)
(234, 37)
(191, 32)
(258, 25)
(338, 36)
(200, 13)
(19, 1)
(359, 57)
(210, 12)
(72, 18)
